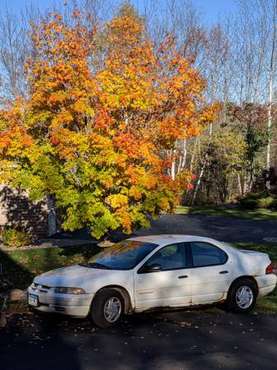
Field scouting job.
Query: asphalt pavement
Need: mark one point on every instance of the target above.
(228, 229)
(188, 340)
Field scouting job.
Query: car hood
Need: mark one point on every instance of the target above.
(73, 276)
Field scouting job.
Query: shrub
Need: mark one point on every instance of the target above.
(15, 238)
(274, 204)
(265, 202)
(258, 200)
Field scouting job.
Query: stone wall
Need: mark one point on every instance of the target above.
(16, 210)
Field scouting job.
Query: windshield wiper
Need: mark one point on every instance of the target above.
(96, 265)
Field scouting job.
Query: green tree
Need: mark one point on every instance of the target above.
(250, 120)
(222, 157)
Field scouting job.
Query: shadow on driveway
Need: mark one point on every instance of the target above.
(26, 332)
(190, 340)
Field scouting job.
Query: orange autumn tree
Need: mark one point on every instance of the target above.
(96, 133)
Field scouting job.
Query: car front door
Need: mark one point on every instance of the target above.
(211, 274)
(164, 279)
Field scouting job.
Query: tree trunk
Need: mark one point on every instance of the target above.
(193, 155)
(198, 182)
(52, 216)
(270, 91)
(240, 185)
(183, 157)
(173, 165)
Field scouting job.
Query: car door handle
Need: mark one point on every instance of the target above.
(224, 272)
(182, 276)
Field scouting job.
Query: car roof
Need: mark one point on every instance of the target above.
(164, 239)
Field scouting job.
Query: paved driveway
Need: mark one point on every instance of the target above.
(189, 340)
(229, 229)
(223, 228)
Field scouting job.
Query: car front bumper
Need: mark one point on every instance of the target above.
(67, 304)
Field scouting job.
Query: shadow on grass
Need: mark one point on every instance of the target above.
(19, 267)
(13, 273)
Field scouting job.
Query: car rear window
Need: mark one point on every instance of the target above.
(205, 254)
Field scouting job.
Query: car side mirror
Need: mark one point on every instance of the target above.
(155, 267)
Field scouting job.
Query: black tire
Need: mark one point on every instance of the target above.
(233, 302)
(98, 307)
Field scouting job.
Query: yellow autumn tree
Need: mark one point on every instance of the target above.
(97, 136)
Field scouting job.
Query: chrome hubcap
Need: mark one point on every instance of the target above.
(112, 309)
(244, 297)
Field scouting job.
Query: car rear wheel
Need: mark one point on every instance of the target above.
(242, 296)
(107, 308)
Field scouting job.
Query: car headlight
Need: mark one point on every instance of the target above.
(65, 290)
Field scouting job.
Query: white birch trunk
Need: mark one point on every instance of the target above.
(270, 90)
(198, 183)
(173, 165)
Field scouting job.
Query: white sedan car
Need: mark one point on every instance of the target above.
(151, 272)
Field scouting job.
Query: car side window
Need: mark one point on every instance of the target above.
(205, 254)
(171, 257)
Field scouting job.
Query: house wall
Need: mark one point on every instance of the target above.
(16, 210)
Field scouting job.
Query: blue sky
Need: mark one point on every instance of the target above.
(211, 9)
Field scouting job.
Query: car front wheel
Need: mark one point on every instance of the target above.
(242, 296)
(107, 308)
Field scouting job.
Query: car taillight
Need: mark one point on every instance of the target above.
(269, 269)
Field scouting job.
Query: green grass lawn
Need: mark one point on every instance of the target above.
(256, 214)
(20, 267)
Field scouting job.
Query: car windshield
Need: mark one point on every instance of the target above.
(122, 256)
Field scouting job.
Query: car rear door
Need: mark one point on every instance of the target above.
(211, 274)
(170, 285)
